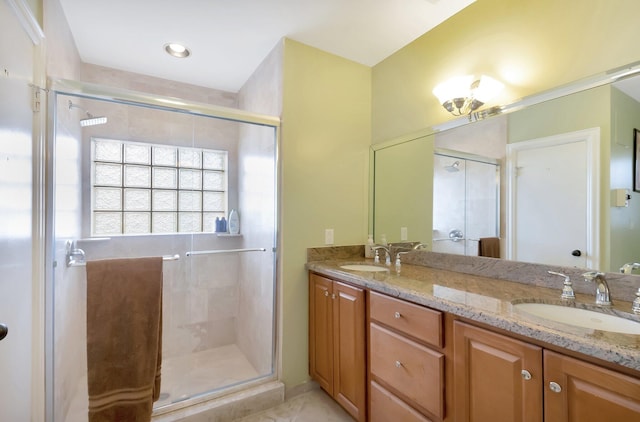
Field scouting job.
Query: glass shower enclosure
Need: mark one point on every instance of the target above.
(156, 180)
(466, 201)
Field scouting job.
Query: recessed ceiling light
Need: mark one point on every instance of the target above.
(177, 50)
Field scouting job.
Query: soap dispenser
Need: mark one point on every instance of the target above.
(368, 251)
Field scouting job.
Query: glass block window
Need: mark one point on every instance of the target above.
(140, 188)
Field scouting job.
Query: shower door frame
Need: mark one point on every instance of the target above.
(158, 102)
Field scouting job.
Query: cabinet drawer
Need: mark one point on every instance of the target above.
(387, 407)
(417, 321)
(413, 370)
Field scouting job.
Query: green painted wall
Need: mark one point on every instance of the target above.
(325, 139)
(531, 46)
(404, 176)
(624, 221)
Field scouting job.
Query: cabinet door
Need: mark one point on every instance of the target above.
(490, 384)
(350, 354)
(321, 331)
(587, 393)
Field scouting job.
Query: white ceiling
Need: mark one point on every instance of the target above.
(230, 38)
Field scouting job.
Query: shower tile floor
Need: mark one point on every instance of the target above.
(201, 372)
(185, 376)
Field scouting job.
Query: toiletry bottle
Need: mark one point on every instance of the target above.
(368, 252)
(234, 222)
(218, 225)
(223, 225)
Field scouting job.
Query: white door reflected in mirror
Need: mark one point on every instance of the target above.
(552, 204)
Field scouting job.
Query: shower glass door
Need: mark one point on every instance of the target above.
(465, 202)
(152, 182)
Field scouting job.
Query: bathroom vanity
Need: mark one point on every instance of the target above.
(448, 346)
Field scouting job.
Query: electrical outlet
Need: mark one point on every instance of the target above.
(403, 234)
(328, 237)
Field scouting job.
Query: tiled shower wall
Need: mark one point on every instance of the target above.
(256, 186)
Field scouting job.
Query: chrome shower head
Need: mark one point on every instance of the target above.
(90, 120)
(453, 167)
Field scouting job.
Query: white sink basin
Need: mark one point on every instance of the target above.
(581, 317)
(363, 267)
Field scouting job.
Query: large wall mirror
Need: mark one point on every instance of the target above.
(564, 171)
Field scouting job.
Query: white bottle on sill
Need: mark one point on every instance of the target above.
(234, 222)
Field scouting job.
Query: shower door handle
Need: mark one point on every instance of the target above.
(4, 330)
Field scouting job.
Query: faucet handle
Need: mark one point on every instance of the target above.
(629, 267)
(636, 303)
(567, 286)
(593, 275)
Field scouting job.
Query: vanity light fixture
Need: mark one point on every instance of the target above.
(462, 95)
(177, 50)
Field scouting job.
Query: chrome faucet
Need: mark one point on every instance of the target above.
(387, 252)
(602, 288)
(401, 250)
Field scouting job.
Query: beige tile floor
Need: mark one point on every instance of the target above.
(312, 406)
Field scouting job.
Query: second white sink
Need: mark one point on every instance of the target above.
(581, 317)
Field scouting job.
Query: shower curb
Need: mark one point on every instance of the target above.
(229, 407)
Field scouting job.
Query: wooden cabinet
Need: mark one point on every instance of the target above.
(337, 343)
(491, 383)
(583, 392)
(428, 366)
(490, 379)
(387, 407)
(406, 364)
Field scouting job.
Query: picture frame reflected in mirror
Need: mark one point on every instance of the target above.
(636, 157)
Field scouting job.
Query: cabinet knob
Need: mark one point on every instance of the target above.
(326, 293)
(333, 295)
(555, 387)
(398, 364)
(397, 315)
(526, 375)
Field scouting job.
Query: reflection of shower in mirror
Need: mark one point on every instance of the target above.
(466, 198)
(453, 167)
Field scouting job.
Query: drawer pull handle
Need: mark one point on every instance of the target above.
(555, 387)
(398, 364)
(397, 315)
(526, 375)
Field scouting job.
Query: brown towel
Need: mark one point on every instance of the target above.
(489, 246)
(124, 337)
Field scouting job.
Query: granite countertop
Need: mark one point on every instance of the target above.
(490, 301)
